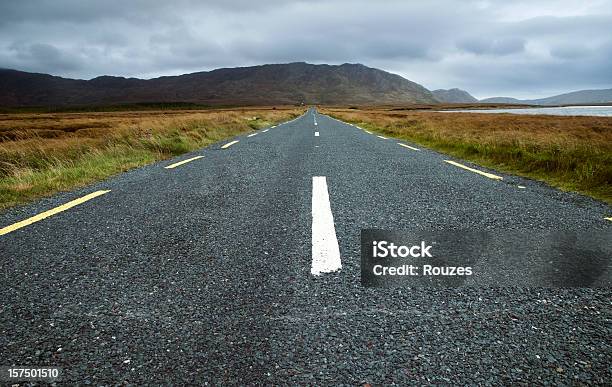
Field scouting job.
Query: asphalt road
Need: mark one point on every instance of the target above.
(203, 272)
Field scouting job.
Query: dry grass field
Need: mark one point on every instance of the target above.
(43, 153)
(571, 153)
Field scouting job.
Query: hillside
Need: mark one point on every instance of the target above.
(292, 83)
(453, 96)
(508, 100)
(580, 97)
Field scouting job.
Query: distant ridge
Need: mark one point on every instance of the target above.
(453, 96)
(580, 97)
(292, 83)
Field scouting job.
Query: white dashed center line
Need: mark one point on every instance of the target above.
(316, 134)
(325, 250)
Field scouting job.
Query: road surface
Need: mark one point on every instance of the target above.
(239, 264)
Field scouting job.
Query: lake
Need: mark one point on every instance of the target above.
(602, 111)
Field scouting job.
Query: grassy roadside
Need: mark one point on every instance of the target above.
(570, 153)
(41, 154)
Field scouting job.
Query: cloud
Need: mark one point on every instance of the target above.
(571, 51)
(482, 46)
(42, 56)
(488, 47)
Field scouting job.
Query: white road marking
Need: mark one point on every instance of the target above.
(521, 186)
(316, 124)
(325, 250)
(610, 219)
(229, 144)
(264, 131)
(367, 131)
(489, 175)
(171, 166)
(384, 138)
(251, 135)
(316, 134)
(408, 146)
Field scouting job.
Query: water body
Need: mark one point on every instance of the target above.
(601, 111)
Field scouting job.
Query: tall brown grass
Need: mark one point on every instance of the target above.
(43, 153)
(572, 153)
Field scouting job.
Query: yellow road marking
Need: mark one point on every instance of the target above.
(50, 212)
(384, 138)
(489, 175)
(229, 144)
(610, 219)
(408, 146)
(182, 162)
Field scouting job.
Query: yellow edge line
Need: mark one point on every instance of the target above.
(384, 138)
(408, 146)
(182, 162)
(50, 212)
(229, 144)
(489, 175)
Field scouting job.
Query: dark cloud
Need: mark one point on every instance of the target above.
(518, 48)
(41, 56)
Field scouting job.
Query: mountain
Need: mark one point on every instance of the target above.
(453, 96)
(580, 97)
(508, 100)
(577, 97)
(291, 83)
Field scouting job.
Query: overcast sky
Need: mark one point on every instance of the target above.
(521, 49)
